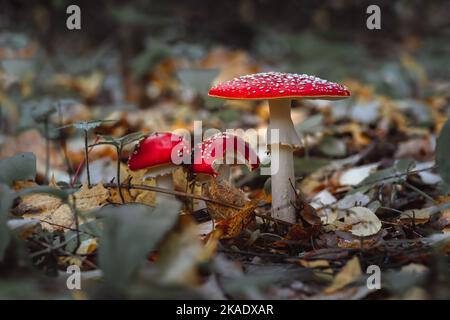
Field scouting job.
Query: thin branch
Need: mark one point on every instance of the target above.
(172, 192)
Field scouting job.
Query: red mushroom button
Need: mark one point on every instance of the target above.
(159, 154)
(214, 155)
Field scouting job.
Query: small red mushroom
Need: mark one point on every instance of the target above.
(160, 154)
(280, 89)
(214, 156)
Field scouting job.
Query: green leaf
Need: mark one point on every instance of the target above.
(311, 125)
(130, 233)
(19, 167)
(41, 111)
(443, 153)
(394, 174)
(304, 166)
(87, 125)
(6, 201)
(199, 80)
(333, 147)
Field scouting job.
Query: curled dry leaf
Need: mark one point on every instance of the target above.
(233, 226)
(224, 192)
(362, 222)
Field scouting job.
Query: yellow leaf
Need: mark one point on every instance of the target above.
(348, 274)
(91, 198)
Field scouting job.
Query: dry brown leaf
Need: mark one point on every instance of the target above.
(52, 220)
(87, 85)
(56, 215)
(224, 192)
(323, 267)
(114, 195)
(91, 198)
(145, 196)
(348, 274)
(420, 216)
(233, 226)
(19, 185)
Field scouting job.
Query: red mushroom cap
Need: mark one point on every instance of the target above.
(208, 153)
(156, 150)
(276, 85)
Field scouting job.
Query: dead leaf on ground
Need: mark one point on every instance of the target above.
(224, 192)
(362, 222)
(91, 198)
(56, 215)
(233, 226)
(348, 274)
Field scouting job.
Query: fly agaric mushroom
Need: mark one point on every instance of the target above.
(214, 156)
(159, 154)
(280, 89)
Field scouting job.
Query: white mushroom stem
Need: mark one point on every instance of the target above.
(164, 181)
(225, 172)
(282, 138)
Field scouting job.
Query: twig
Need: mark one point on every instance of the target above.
(273, 219)
(63, 143)
(64, 227)
(420, 192)
(119, 152)
(172, 192)
(86, 157)
(77, 172)
(47, 149)
(51, 248)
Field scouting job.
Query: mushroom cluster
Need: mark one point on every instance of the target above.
(280, 89)
(160, 154)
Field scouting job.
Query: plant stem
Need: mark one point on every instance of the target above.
(86, 156)
(47, 149)
(62, 141)
(119, 152)
(77, 223)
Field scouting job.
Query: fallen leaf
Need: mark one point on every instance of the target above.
(222, 191)
(419, 216)
(362, 221)
(233, 226)
(91, 198)
(355, 176)
(348, 274)
(87, 246)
